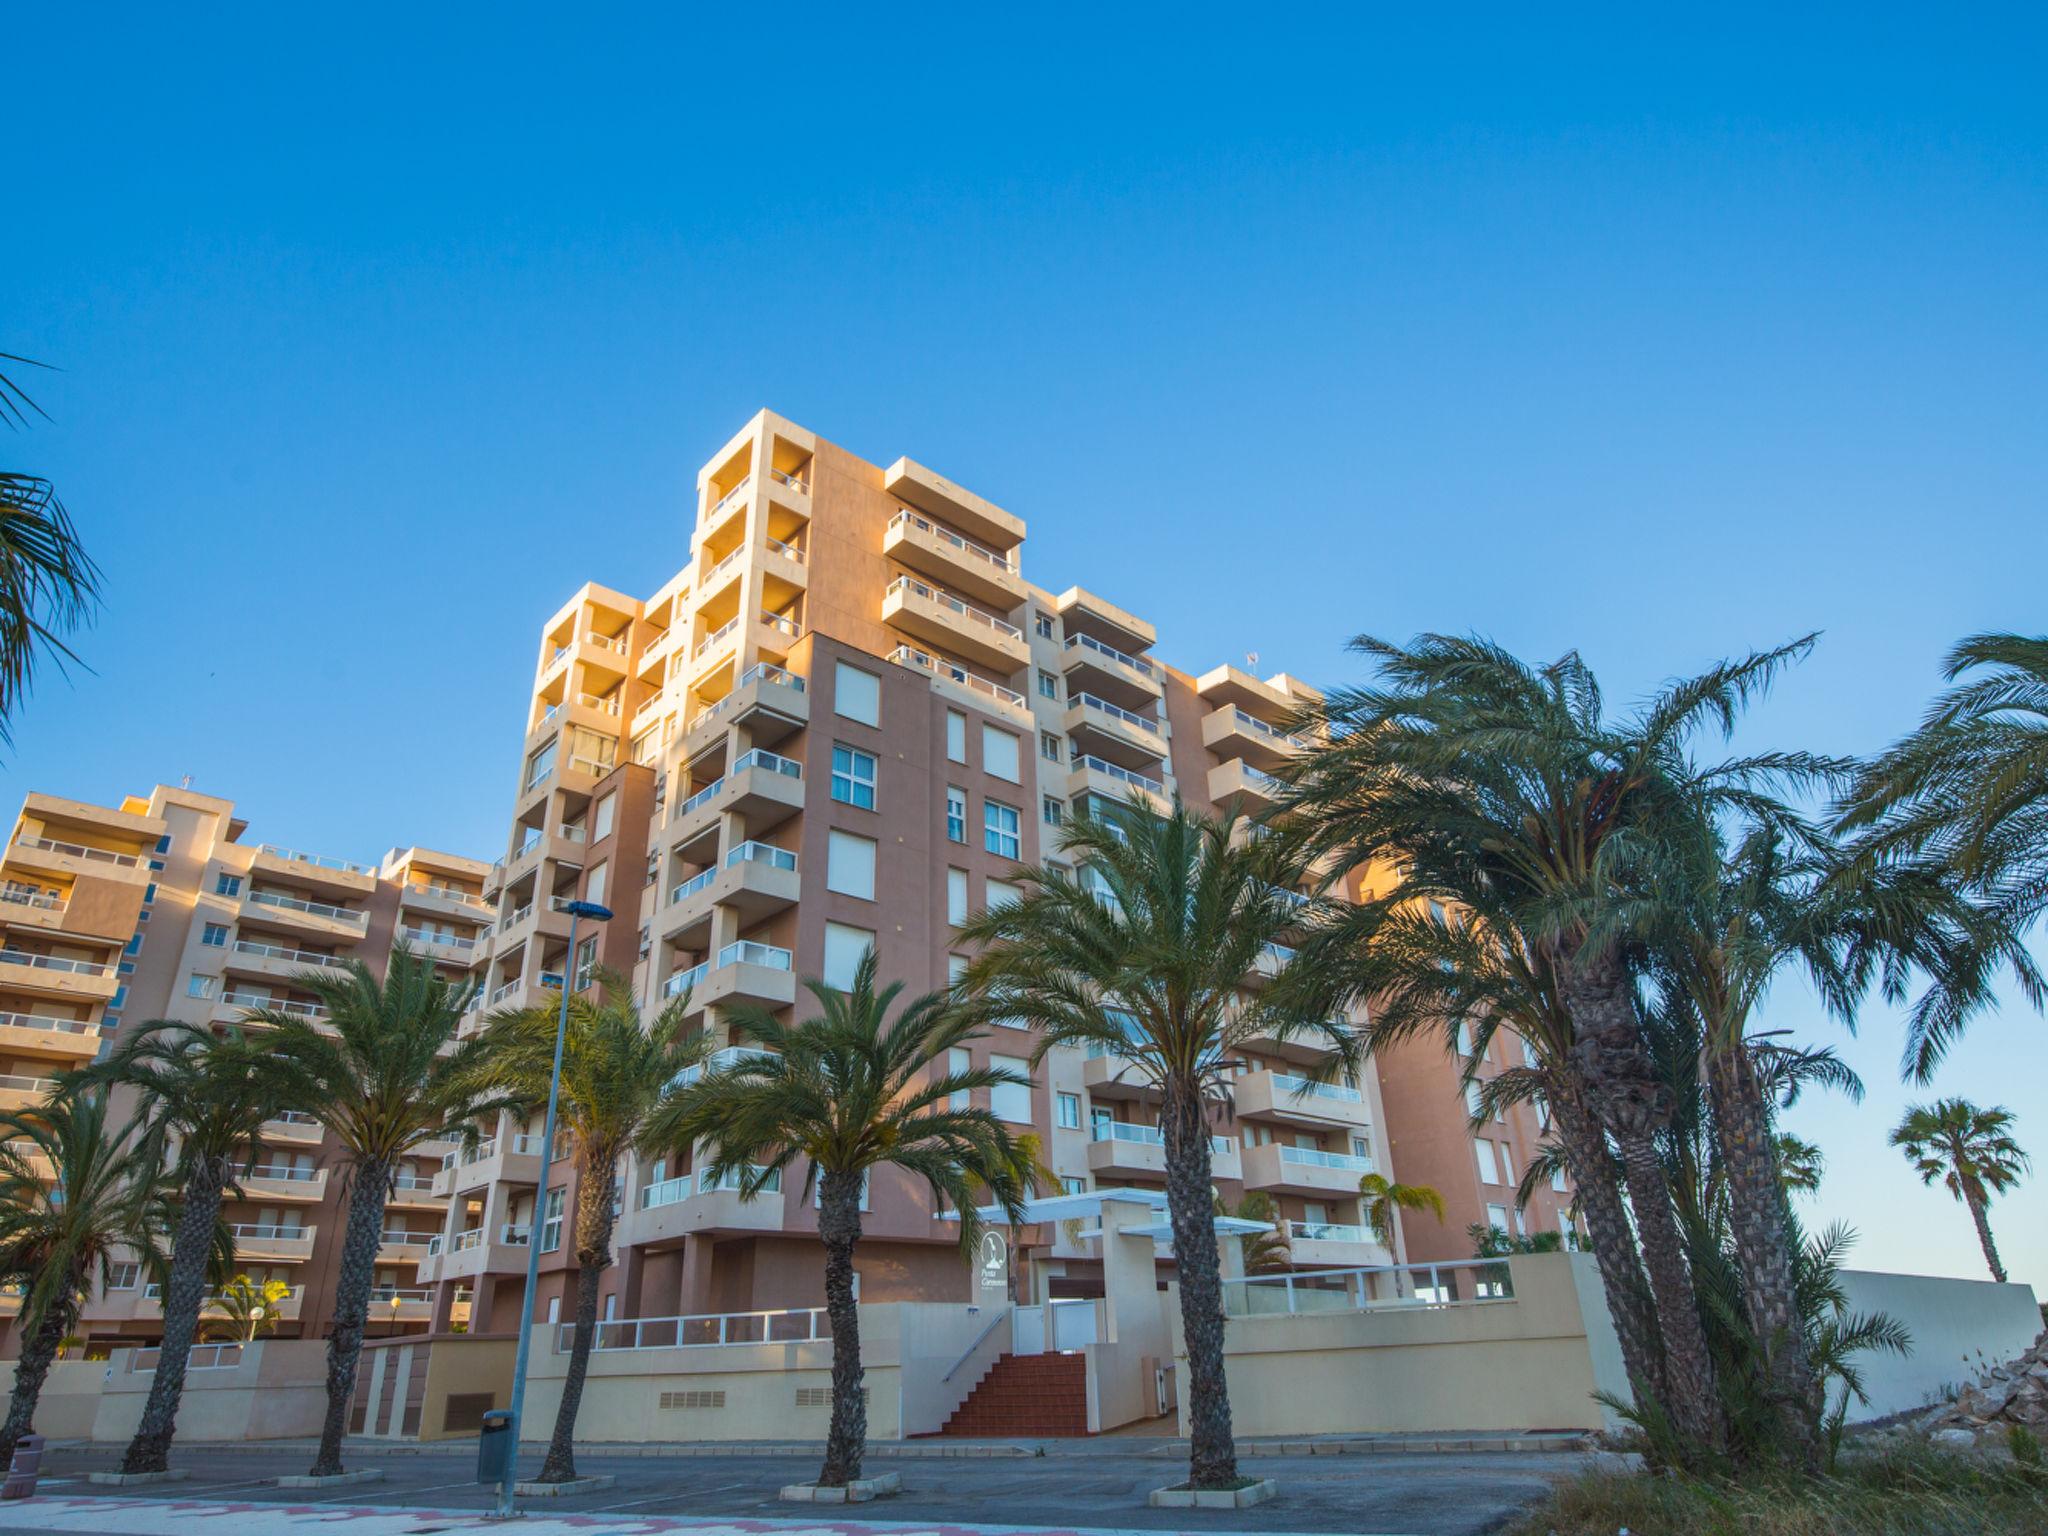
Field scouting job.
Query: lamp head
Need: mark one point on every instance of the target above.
(588, 909)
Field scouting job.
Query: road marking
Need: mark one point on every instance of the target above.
(683, 1493)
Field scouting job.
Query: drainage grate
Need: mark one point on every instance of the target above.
(694, 1399)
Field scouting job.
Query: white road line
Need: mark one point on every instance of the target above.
(683, 1493)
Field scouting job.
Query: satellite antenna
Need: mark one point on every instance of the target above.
(1251, 659)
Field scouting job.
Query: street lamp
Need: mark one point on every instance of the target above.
(576, 910)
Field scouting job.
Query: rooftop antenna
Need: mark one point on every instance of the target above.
(185, 782)
(1251, 659)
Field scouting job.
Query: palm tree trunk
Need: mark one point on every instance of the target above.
(1212, 1452)
(365, 1230)
(184, 1295)
(1762, 1232)
(1598, 1199)
(839, 1226)
(1623, 1090)
(1982, 1218)
(593, 1253)
(39, 1346)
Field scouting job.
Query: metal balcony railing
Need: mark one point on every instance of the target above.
(946, 600)
(909, 519)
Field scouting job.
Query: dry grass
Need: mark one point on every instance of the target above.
(1905, 1492)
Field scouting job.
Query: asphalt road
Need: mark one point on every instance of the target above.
(1093, 1485)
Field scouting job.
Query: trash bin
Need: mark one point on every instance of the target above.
(496, 1446)
(21, 1475)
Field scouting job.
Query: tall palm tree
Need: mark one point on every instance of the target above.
(1800, 1164)
(49, 586)
(383, 1072)
(615, 1071)
(1147, 948)
(1514, 780)
(61, 1231)
(1971, 1151)
(849, 1090)
(207, 1096)
(1964, 799)
(1382, 1199)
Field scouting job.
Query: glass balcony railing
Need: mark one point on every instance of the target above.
(1089, 643)
(42, 901)
(48, 1023)
(684, 981)
(794, 482)
(295, 856)
(692, 886)
(1117, 712)
(782, 624)
(701, 797)
(762, 853)
(717, 1061)
(906, 520)
(911, 656)
(749, 952)
(1331, 1232)
(787, 767)
(912, 586)
(79, 851)
(1121, 775)
(1341, 1162)
(54, 963)
(1302, 1087)
(314, 908)
(291, 956)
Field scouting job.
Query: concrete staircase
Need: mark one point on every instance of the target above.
(1042, 1395)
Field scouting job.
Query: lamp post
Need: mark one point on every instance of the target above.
(576, 910)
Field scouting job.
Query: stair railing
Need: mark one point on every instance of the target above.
(979, 1339)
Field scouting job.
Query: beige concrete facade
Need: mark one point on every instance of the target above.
(158, 908)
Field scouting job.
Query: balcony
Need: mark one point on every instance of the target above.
(57, 855)
(973, 516)
(764, 788)
(149, 1304)
(1083, 613)
(1230, 732)
(744, 972)
(54, 976)
(1096, 666)
(1334, 1245)
(440, 946)
(1114, 783)
(718, 1061)
(410, 1191)
(280, 962)
(294, 1128)
(402, 1247)
(395, 1304)
(1251, 789)
(1101, 729)
(320, 917)
(1283, 1170)
(24, 907)
(756, 879)
(19, 1092)
(1120, 1150)
(769, 700)
(46, 1034)
(515, 1160)
(284, 1184)
(726, 506)
(1269, 701)
(1299, 1101)
(952, 560)
(235, 1000)
(690, 1203)
(969, 687)
(473, 1252)
(948, 623)
(336, 877)
(1108, 1074)
(267, 1243)
(447, 901)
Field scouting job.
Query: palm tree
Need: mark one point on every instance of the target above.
(244, 1308)
(383, 1073)
(851, 1090)
(1381, 1198)
(1964, 800)
(61, 1230)
(48, 584)
(1267, 1250)
(1971, 1151)
(1523, 795)
(1147, 947)
(615, 1071)
(208, 1096)
(1800, 1164)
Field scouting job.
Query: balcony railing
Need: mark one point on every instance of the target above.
(1121, 775)
(1302, 1087)
(15, 1083)
(515, 1236)
(735, 1181)
(293, 1117)
(788, 551)
(406, 1239)
(787, 767)
(314, 908)
(1342, 1162)
(80, 851)
(683, 981)
(710, 578)
(967, 611)
(692, 886)
(413, 1181)
(1272, 733)
(717, 1061)
(1116, 712)
(1149, 1136)
(760, 670)
(268, 1232)
(37, 899)
(55, 963)
(911, 656)
(725, 502)
(428, 936)
(1089, 643)
(606, 704)
(909, 519)
(616, 644)
(515, 917)
(782, 624)
(798, 1325)
(49, 1022)
(1331, 1232)
(761, 853)
(794, 482)
(286, 1173)
(295, 956)
(749, 952)
(238, 999)
(296, 856)
(717, 637)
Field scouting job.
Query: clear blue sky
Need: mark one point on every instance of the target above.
(383, 331)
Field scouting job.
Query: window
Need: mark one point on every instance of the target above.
(1042, 622)
(551, 1219)
(593, 888)
(1482, 1154)
(850, 865)
(1070, 1111)
(227, 885)
(149, 894)
(1361, 1146)
(646, 940)
(853, 777)
(999, 754)
(1557, 1179)
(540, 765)
(214, 935)
(956, 967)
(1464, 1039)
(956, 814)
(1071, 1184)
(1048, 746)
(1011, 1101)
(1000, 893)
(157, 865)
(197, 985)
(1507, 1162)
(844, 947)
(1048, 685)
(124, 1277)
(1000, 830)
(1497, 1217)
(601, 819)
(956, 896)
(586, 961)
(163, 844)
(1472, 1100)
(856, 694)
(653, 866)
(120, 997)
(957, 1062)
(1052, 810)
(956, 736)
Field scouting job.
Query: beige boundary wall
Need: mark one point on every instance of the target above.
(1960, 1328)
(1532, 1362)
(276, 1391)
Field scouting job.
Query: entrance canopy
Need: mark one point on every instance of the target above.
(1080, 1207)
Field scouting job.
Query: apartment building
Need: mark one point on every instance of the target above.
(157, 908)
(839, 727)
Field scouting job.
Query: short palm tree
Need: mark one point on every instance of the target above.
(48, 584)
(382, 1072)
(1971, 1151)
(1267, 1250)
(615, 1071)
(1148, 947)
(60, 1231)
(1523, 794)
(850, 1090)
(1382, 1199)
(245, 1308)
(206, 1095)
(1964, 799)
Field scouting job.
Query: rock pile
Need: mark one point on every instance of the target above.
(2014, 1393)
